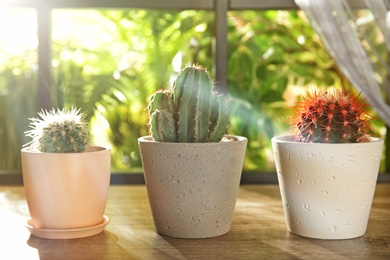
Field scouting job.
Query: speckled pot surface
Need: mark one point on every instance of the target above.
(327, 189)
(192, 187)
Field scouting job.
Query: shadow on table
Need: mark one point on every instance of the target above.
(233, 245)
(364, 247)
(100, 246)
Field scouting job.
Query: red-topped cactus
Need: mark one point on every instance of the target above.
(332, 117)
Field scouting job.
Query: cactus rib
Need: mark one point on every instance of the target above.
(59, 131)
(332, 118)
(198, 113)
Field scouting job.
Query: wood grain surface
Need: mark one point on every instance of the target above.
(258, 232)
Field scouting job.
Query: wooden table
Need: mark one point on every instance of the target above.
(258, 232)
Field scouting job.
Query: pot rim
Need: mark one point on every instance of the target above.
(233, 138)
(88, 149)
(289, 138)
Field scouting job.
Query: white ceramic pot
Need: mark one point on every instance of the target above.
(327, 189)
(192, 187)
(66, 190)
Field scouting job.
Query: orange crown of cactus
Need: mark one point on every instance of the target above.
(334, 117)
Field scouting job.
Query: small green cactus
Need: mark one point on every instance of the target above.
(59, 131)
(332, 118)
(190, 112)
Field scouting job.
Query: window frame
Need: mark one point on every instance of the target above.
(220, 9)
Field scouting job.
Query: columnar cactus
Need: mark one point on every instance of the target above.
(190, 111)
(332, 118)
(59, 131)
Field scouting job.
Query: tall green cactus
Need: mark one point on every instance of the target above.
(190, 112)
(59, 131)
(332, 118)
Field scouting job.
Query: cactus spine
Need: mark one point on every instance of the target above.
(332, 118)
(59, 131)
(190, 111)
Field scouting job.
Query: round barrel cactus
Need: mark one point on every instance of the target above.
(191, 111)
(59, 131)
(332, 117)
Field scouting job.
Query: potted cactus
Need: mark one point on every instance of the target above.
(327, 171)
(192, 169)
(66, 181)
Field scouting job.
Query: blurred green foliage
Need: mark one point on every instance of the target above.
(109, 62)
(273, 55)
(143, 53)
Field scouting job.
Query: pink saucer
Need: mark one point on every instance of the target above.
(67, 233)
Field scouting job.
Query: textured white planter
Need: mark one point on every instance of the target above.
(327, 189)
(192, 187)
(66, 190)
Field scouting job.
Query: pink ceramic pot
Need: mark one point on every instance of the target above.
(66, 190)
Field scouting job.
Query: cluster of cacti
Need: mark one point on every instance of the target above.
(59, 131)
(332, 118)
(191, 111)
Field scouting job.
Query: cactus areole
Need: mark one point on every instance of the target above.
(58, 131)
(331, 118)
(190, 112)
